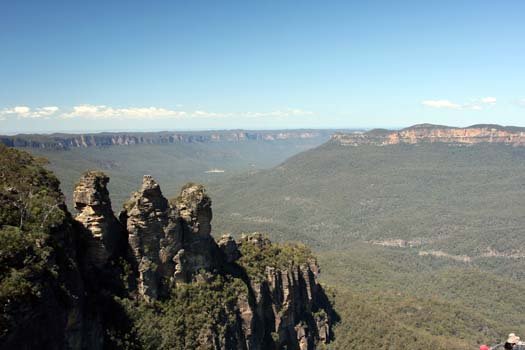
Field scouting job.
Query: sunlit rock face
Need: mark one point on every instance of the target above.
(193, 207)
(107, 236)
(427, 133)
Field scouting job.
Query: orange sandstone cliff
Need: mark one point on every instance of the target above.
(428, 133)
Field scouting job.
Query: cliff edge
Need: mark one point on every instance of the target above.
(428, 133)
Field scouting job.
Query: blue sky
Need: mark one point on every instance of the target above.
(151, 65)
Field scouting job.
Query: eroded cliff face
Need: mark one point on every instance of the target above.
(427, 133)
(152, 240)
(66, 141)
(289, 305)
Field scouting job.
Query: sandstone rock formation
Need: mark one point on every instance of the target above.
(427, 133)
(289, 304)
(152, 240)
(193, 207)
(92, 201)
(170, 241)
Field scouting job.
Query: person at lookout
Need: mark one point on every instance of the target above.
(512, 340)
(484, 347)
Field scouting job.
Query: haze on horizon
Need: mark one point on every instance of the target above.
(174, 65)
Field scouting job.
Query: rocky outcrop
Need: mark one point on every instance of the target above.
(427, 133)
(193, 207)
(67, 141)
(172, 244)
(170, 241)
(229, 248)
(289, 306)
(153, 240)
(106, 235)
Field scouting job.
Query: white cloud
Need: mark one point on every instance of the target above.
(441, 104)
(22, 112)
(106, 112)
(289, 112)
(475, 104)
(521, 102)
(103, 112)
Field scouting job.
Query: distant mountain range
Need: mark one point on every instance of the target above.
(429, 133)
(67, 141)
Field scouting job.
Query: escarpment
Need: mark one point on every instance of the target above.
(100, 280)
(428, 133)
(68, 141)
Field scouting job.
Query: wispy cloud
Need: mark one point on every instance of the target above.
(103, 112)
(289, 112)
(441, 104)
(521, 102)
(22, 112)
(475, 104)
(107, 112)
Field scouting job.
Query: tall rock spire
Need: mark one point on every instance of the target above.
(107, 236)
(153, 240)
(193, 207)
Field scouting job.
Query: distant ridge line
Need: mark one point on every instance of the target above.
(61, 141)
(430, 133)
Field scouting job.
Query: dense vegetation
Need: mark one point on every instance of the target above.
(462, 200)
(255, 258)
(195, 313)
(447, 303)
(31, 253)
